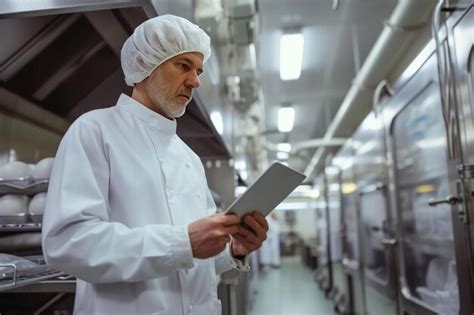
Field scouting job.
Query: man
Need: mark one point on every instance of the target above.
(128, 210)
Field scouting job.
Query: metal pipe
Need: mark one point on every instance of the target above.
(393, 50)
(309, 144)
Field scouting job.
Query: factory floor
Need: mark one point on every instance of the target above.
(289, 290)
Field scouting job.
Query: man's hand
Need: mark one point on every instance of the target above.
(246, 241)
(210, 235)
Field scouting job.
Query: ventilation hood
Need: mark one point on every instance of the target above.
(60, 59)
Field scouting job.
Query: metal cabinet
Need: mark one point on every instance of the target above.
(460, 40)
(419, 173)
(339, 293)
(324, 274)
(376, 226)
(426, 242)
(351, 288)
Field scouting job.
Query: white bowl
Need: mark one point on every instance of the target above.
(14, 170)
(43, 168)
(12, 205)
(37, 204)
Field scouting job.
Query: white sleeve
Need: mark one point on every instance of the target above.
(225, 261)
(77, 236)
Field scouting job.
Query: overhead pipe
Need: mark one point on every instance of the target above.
(308, 144)
(404, 35)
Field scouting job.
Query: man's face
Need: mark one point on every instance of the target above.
(169, 88)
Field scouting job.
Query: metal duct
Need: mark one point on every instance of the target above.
(404, 35)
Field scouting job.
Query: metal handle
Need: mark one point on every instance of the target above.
(452, 200)
(375, 228)
(389, 241)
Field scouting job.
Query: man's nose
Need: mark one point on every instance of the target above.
(192, 81)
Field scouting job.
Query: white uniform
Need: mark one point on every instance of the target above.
(122, 191)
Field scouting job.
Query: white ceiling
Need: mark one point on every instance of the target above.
(329, 61)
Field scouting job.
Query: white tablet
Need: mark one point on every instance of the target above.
(271, 188)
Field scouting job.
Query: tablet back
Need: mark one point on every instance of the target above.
(271, 188)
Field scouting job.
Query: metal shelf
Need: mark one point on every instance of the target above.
(22, 277)
(23, 186)
(20, 227)
(62, 284)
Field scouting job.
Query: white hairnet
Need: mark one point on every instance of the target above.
(157, 40)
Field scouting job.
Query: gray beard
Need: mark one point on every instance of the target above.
(171, 110)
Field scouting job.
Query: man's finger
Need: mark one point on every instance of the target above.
(244, 231)
(257, 229)
(225, 230)
(229, 230)
(228, 219)
(244, 241)
(248, 236)
(261, 220)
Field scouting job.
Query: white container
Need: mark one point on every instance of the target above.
(14, 170)
(13, 205)
(43, 168)
(429, 297)
(37, 204)
(436, 276)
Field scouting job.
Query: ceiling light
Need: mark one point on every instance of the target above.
(283, 155)
(284, 147)
(291, 56)
(216, 118)
(286, 118)
(240, 165)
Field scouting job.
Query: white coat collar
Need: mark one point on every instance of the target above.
(147, 115)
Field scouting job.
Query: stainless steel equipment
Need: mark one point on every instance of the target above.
(350, 283)
(419, 151)
(425, 173)
(460, 41)
(376, 232)
(324, 273)
(337, 293)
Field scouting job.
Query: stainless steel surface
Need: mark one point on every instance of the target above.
(48, 286)
(461, 47)
(350, 281)
(324, 273)
(340, 289)
(376, 224)
(26, 277)
(420, 171)
(24, 8)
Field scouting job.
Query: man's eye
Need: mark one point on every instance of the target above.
(184, 66)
